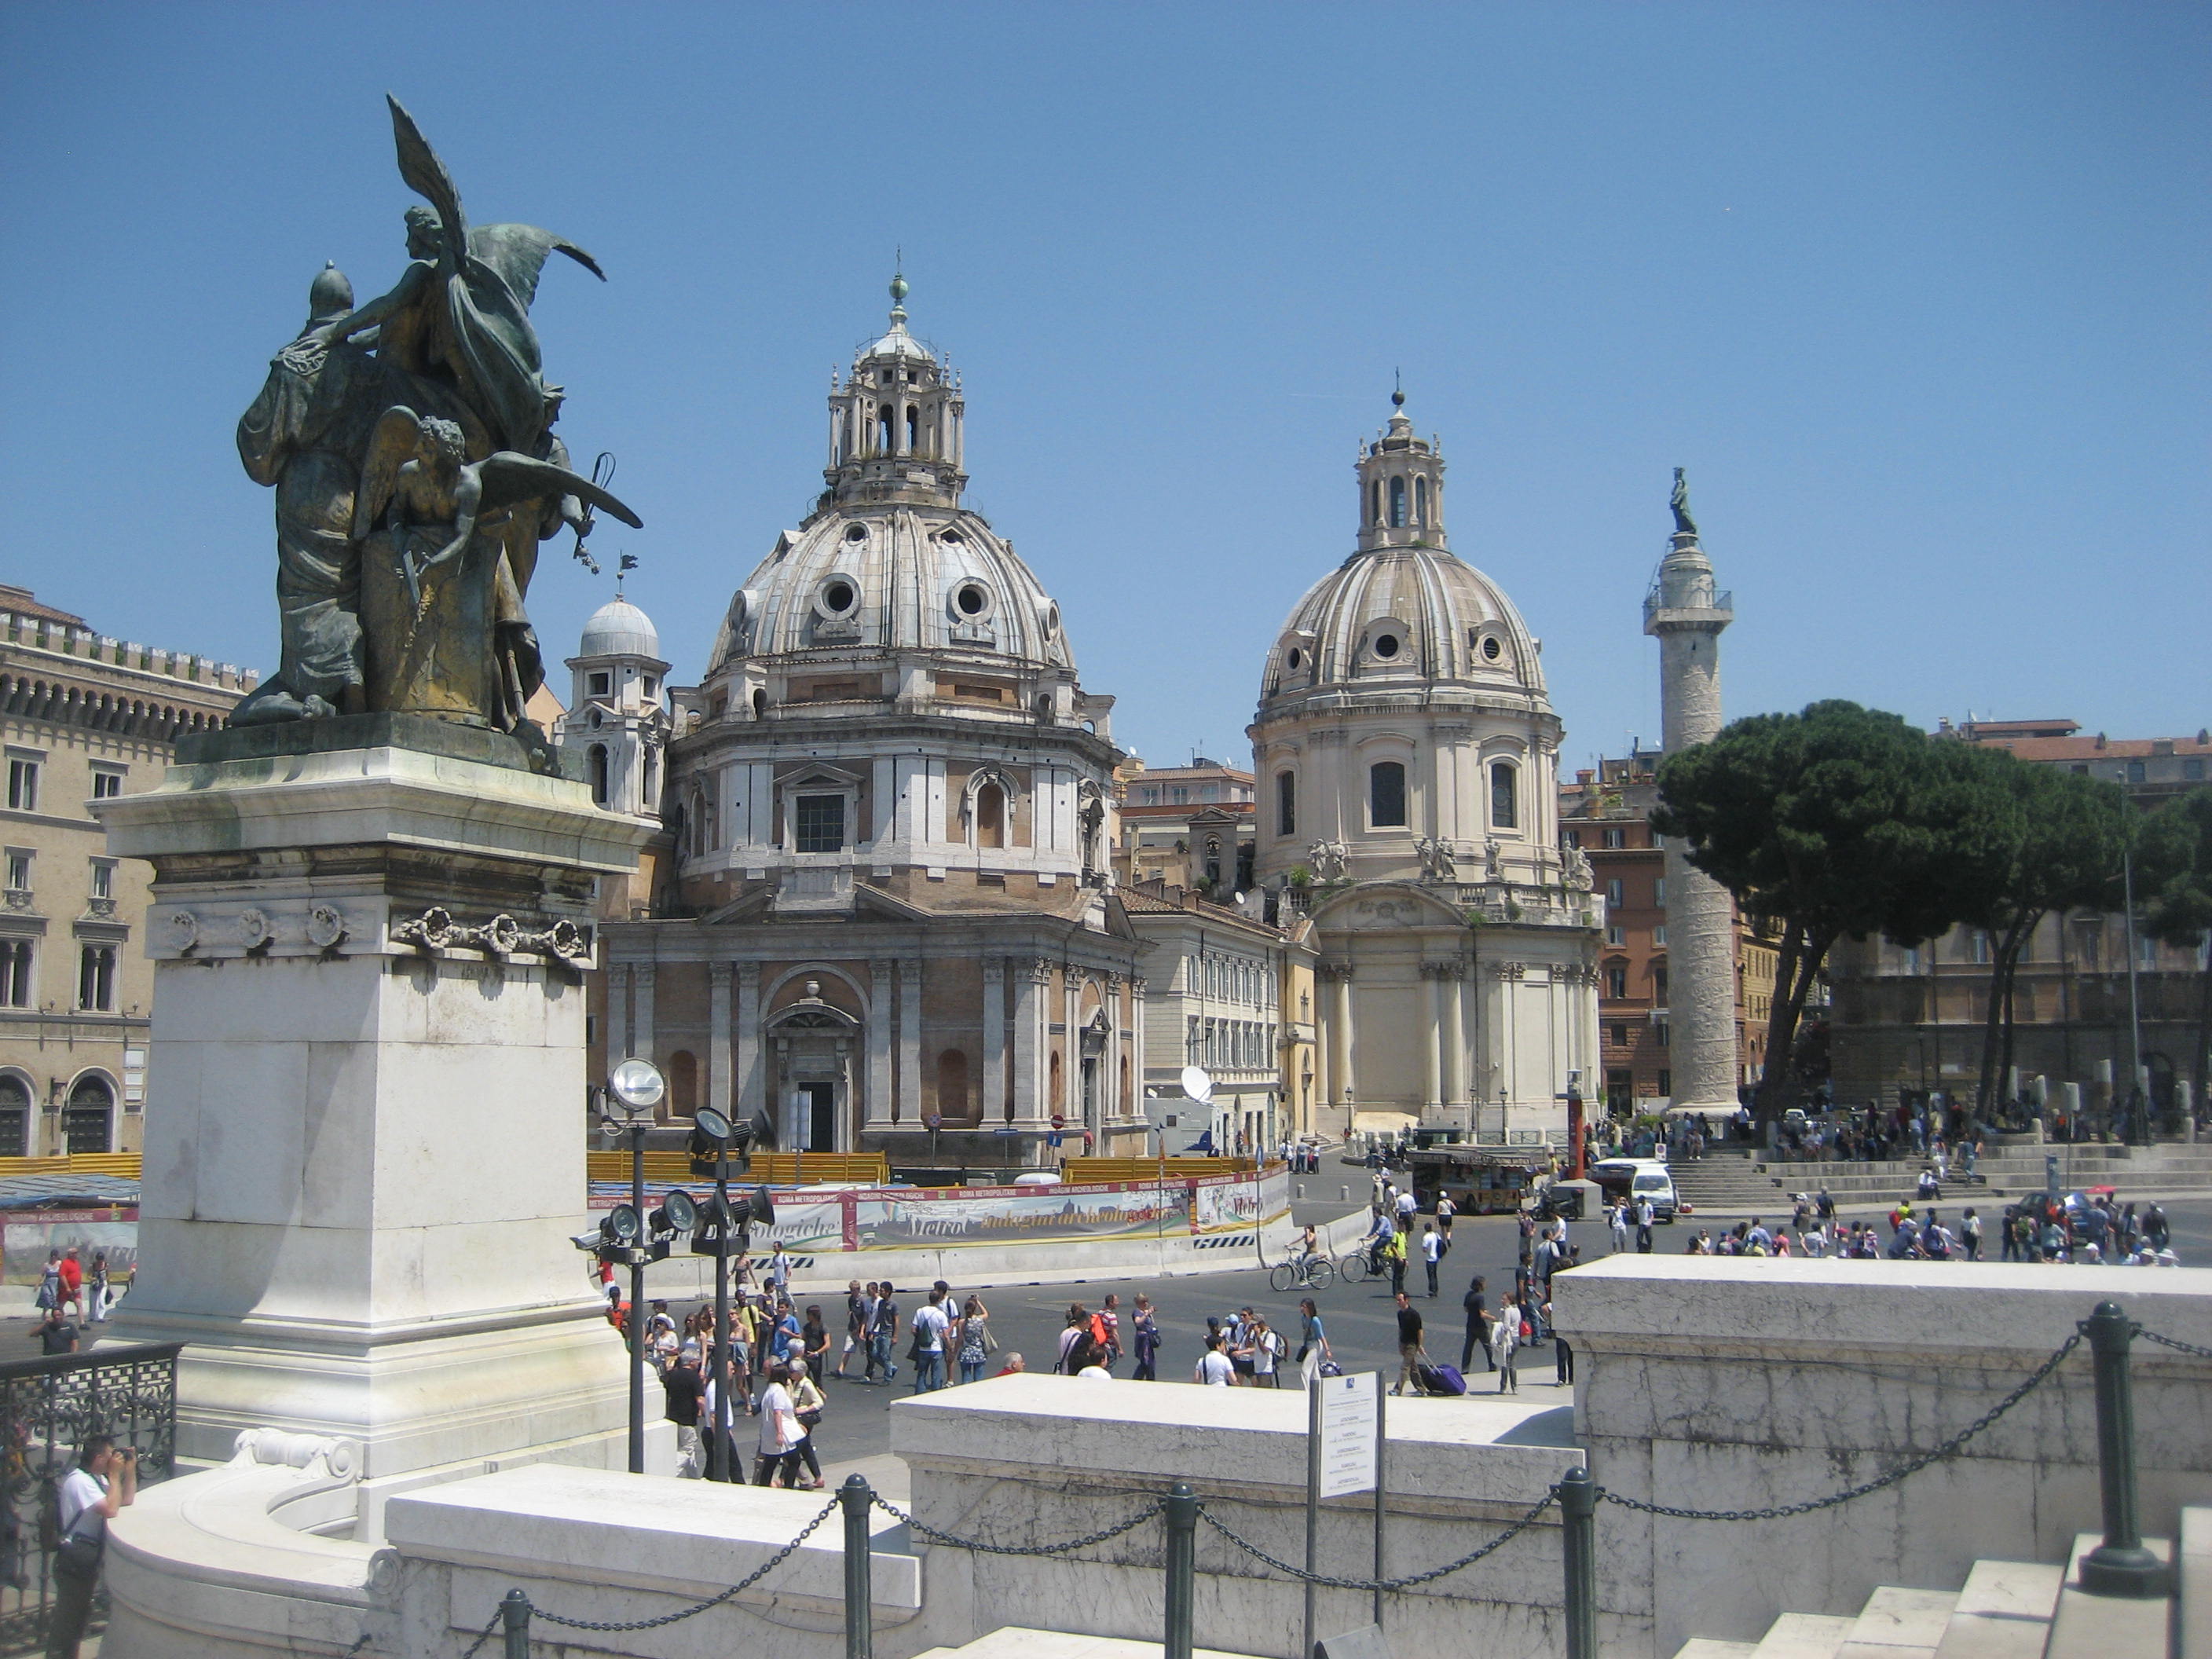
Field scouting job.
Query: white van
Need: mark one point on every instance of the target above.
(1652, 1182)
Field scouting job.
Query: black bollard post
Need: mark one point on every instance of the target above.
(2120, 1565)
(856, 1498)
(1578, 1530)
(514, 1619)
(1182, 1567)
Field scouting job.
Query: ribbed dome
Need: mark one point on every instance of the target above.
(1403, 616)
(619, 629)
(894, 576)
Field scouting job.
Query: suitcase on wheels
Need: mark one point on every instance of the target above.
(1442, 1379)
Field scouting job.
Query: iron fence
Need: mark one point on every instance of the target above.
(47, 1407)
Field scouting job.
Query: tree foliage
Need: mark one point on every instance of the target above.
(1837, 821)
(2173, 880)
(2063, 837)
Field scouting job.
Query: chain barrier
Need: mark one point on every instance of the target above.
(2174, 1343)
(2035, 1379)
(738, 1588)
(1527, 1519)
(1067, 1546)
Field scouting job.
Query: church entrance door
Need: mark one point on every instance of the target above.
(818, 1120)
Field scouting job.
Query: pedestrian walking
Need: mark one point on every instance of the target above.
(1394, 1252)
(882, 1334)
(1971, 1231)
(807, 1404)
(1433, 1253)
(1214, 1370)
(777, 1462)
(1644, 1215)
(1411, 1349)
(1145, 1328)
(1478, 1327)
(1504, 1339)
(685, 1389)
(1563, 1356)
(1445, 1210)
(1267, 1356)
(1620, 1221)
(930, 1324)
(778, 1271)
(1313, 1343)
(856, 1323)
(96, 1290)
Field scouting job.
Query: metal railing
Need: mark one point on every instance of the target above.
(47, 1407)
(2120, 1565)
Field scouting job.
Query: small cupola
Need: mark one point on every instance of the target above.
(897, 423)
(1401, 486)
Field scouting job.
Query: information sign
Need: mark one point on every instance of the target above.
(1346, 1432)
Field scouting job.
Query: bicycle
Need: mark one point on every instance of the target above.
(1312, 1270)
(1354, 1266)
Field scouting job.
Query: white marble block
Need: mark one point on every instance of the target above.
(367, 1146)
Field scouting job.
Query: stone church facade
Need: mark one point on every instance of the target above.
(889, 924)
(1406, 754)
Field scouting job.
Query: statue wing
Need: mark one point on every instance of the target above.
(517, 254)
(426, 175)
(390, 444)
(510, 477)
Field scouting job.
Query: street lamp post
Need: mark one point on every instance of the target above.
(2135, 1006)
(638, 1087)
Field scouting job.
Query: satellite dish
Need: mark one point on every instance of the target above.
(1196, 1084)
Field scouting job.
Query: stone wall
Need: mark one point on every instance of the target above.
(1719, 1383)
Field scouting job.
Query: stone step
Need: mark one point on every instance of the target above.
(2087, 1626)
(1898, 1623)
(1014, 1642)
(2004, 1611)
(1711, 1647)
(1804, 1635)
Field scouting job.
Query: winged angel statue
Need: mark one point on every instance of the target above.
(411, 443)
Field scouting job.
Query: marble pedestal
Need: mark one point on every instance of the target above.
(365, 1140)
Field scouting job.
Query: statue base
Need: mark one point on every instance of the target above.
(365, 1142)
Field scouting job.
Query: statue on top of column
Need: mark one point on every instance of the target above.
(411, 448)
(1683, 523)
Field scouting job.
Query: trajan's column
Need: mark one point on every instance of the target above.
(1684, 613)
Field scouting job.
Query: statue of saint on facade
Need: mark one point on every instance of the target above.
(1683, 523)
(1439, 861)
(411, 444)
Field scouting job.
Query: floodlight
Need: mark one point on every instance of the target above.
(760, 1208)
(638, 1084)
(713, 1125)
(678, 1213)
(623, 1224)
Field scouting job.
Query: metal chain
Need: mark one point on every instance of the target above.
(738, 1588)
(2178, 1345)
(483, 1636)
(1937, 1455)
(1299, 1573)
(934, 1536)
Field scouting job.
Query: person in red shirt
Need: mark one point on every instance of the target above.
(72, 1281)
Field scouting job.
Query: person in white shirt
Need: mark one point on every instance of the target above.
(1505, 1338)
(1214, 1370)
(780, 1435)
(1407, 1205)
(930, 1324)
(1432, 1252)
(101, 1486)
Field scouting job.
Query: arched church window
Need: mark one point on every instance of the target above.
(1421, 503)
(1386, 795)
(1286, 803)
(760, 704)
(990, 816)
(1375, 502)
(598, 770)
(1397, 503)
(913, 428)
(885, 415)
(1505, 803)
(1213, 860)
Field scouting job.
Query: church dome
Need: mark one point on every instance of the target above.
(619, 629)
(1403, 616)
(1403, 611)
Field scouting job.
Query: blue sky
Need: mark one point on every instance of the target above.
(1917, 293)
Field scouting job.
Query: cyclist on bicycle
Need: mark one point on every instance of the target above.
(1308, 1245)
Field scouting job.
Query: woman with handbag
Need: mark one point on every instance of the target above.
(1313, 1343)
(807, 1400)
(975, 1342)
(100, 1487)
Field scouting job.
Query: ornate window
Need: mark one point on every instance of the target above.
(95, 980)
(1286, 803)
(1505, 803)
(15, 974)
(819, 824)
(1397, 503)
(1386, 795)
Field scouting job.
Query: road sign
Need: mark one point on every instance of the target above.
(1347, 1433)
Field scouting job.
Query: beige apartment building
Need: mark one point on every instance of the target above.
(82, 716)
